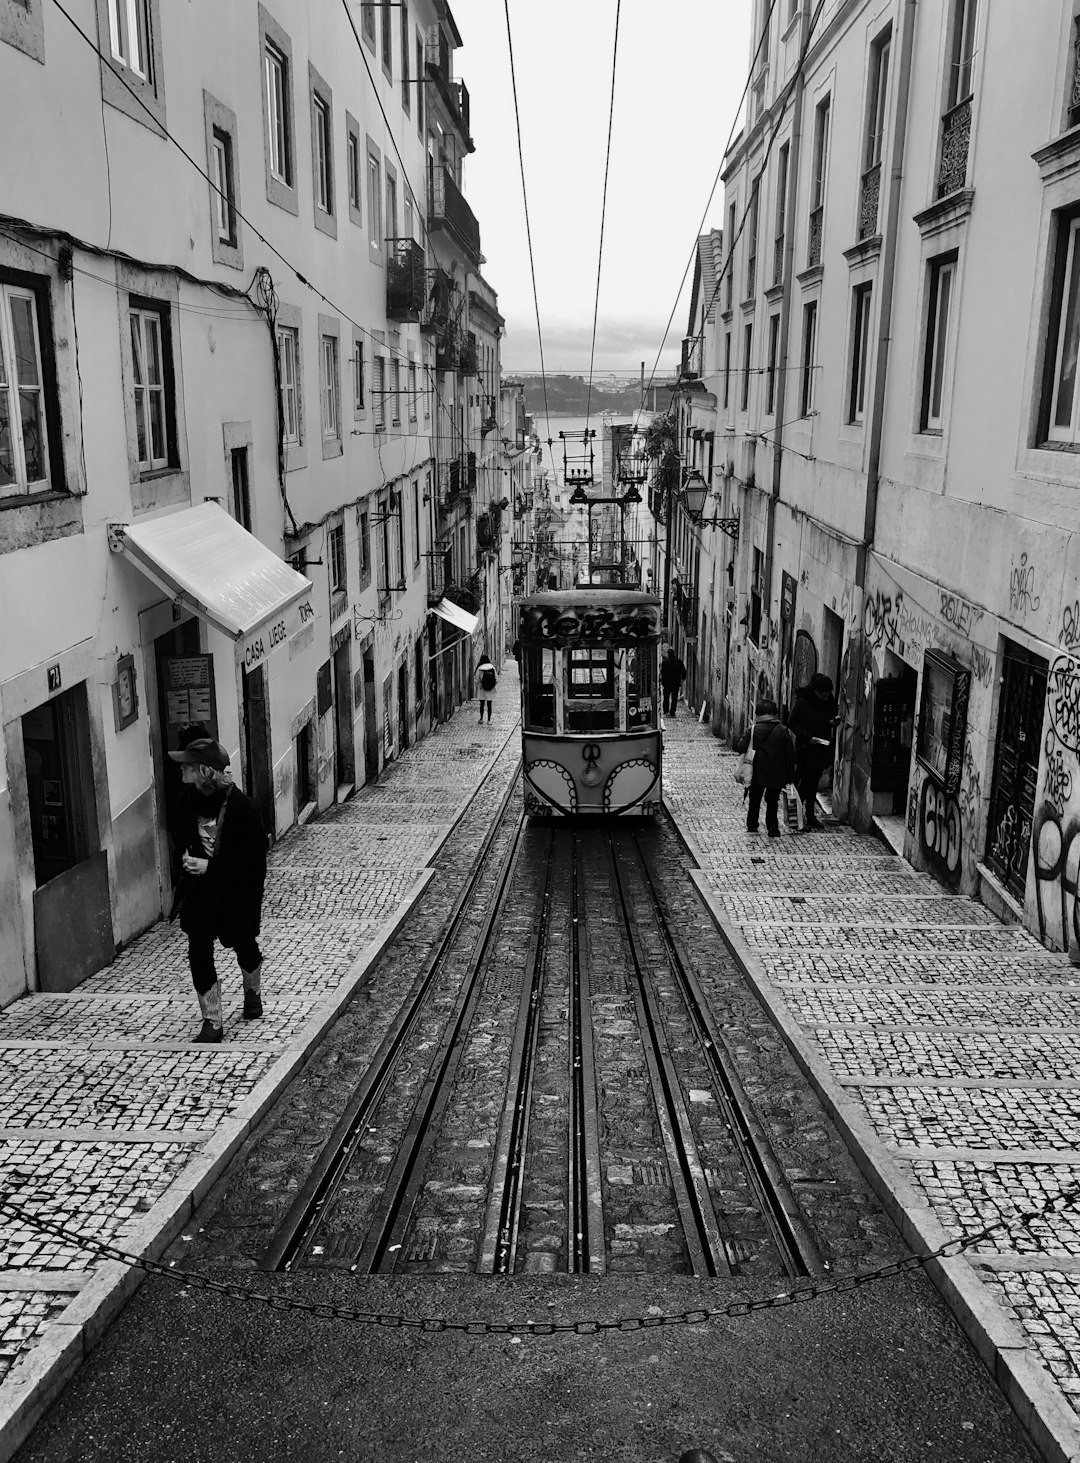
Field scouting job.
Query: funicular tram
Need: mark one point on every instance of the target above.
(589, 701)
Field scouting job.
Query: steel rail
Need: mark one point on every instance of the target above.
(297, 1230)
(706, 1250)
(385, 1238)
(586, 1251)
(498, 1249)
(776, 1202)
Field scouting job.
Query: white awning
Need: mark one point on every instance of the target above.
(205, 559)
(446, 609)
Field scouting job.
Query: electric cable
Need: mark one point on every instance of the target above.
(603, 214)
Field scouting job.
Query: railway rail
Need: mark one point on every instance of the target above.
(554, 1093)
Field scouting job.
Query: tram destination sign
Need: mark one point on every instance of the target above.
(590, 624)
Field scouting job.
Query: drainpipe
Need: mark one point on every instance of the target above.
(888, 267)
(785, 332)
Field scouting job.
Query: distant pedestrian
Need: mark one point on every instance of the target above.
(223, 844)
(672, 675)
(487, 680)
(515, 651)
(813, 725)
(774, 765)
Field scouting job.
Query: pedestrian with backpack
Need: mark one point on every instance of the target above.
(487, 680)
(773, 751)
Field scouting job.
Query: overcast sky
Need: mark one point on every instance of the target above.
(680, 71)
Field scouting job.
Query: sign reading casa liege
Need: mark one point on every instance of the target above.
(261, 642)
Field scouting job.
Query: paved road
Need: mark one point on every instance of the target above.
(944, 1043)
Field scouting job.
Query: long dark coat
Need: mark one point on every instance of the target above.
(774, 752)
(226, 901)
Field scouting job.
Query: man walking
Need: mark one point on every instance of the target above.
(224, 860)
(672, 675)
(813, 725)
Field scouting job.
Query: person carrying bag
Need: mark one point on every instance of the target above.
(771, 752)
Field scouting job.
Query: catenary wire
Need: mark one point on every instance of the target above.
(603, 211)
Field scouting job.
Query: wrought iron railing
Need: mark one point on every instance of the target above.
(817, 229)
(778, 260)
(447, 209)
(691, 357)
(406, 280)
(751, 277)
(955, 139)
(869, 202)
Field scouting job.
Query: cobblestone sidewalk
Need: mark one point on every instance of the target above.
(947, 1044)
(111, 1121)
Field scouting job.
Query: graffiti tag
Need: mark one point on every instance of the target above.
(1057, 782)
(940, 829)
(1069, 634)
(1022, 597)
(982, 665)
(1063, 698)
(959, 613)
(1056, 860)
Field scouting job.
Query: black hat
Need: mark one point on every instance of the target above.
(204, 752)
(821, 684)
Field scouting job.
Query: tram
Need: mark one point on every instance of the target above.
(589, 701)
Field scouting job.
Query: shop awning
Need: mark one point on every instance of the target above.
(446, 609)
(205, 559)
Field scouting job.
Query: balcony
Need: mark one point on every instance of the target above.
(448, 210)
(438, 574)
(485, 533)
(455, 94)
(817, 228)
(406, 281)
(686, 608)
(447, 346)
(751, 277)
(691, 357)
(869, 201)
(778, 260)
(955, 137)
(470, 472)
(468, 359)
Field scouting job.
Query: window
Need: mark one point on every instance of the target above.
(748, 341)
(24, 446)
(331, 422)
(354, 171)
(148, 373)
(224, 197)
(727, 366)
(391, 206)
(277, 115)
(960, 84)
(367, 22)
(817, 185)
(363, 539)
(335, 557)
(408, 207)
(374, 204)
(395, 400)
(419, 87)
(1064, 399)
(770, 380)
(752, 242)
(876, 101)
(809, 358)
(406, 88)
(324, 189)
(129, 33)
(387, 38)
(938, 329)
(412, 391)
(416, 522)
(860, 351)
(288, 342)
(379, 393)
(358, 375)
(241, 493)
(781, 212)
(729, 263)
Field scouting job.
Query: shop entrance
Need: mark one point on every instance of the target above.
(73, 934)
(403, 705)
(894, 724)
(257, 745)
(1016, 765)
(371, 720)
(343, 722)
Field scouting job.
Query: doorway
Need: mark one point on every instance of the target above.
(73, 934)
(403, 705)
(371, 720)
(345, 748)
(894, 723)
(257, 745)
(1016, 765)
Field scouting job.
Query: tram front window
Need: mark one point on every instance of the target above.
(539, 674)
(639, 668)
(591, 703)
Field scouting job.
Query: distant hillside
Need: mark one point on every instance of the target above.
(569, 396)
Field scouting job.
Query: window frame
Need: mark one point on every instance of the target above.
(748, 347)
(395, 391)
(124, 18)
(374, 203)
(357, 359)
(406, 79)
(279, 123)
(378, 391)
(145, 310)
(367, 22)
(14, 284)
(963, 23)
(770, 379)
(337, 569)
(862, 301)
(386, 48)
(289, 335)
(411, 386)
(809, 358)
(330, 386)
(139, 93)
(938, 343)
(877, 99)
(323, 191)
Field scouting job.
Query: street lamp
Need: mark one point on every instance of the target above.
(695, 492)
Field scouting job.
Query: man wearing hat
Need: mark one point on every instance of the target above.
(813, 725)
(224, 859)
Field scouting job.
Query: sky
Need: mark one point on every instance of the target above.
(679, 76)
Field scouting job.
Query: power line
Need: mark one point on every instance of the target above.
(603, 209)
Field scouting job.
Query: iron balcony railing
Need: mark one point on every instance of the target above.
(869, 202)
(406, 280)
(955, 138)
(437, 60)
(447, 209)
(778, 260)
(817, 221)
(691, 357)
(438, 576)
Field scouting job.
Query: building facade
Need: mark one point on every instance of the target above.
(223, 429)
(896, 428)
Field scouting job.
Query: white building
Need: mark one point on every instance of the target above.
(219, 390)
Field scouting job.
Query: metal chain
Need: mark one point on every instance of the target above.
(697, 1316)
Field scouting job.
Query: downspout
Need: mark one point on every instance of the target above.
(888, 267)
(792, 184)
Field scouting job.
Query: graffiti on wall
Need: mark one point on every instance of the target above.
(1055, 827)
(941, 830)
(1022, 597)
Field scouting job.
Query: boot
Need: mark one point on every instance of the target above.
(210, 1006)
(252, 998)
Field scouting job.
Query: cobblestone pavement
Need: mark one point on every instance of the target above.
(951, 1042)
(108, 1114)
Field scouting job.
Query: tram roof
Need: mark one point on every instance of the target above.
(588, 595)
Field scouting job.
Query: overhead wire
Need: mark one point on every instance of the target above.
(603, 212)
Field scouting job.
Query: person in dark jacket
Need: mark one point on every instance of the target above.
(672, 675)
(224, 862)
(813, 725)
(774, 765)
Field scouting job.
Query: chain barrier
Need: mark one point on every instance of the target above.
(327, 1311)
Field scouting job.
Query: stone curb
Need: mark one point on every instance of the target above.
(1002, 1345)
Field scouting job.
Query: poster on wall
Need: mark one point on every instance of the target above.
(188, 695)
(939, 747)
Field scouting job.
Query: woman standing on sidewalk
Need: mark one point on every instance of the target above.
(774, 765)
(224, 858)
